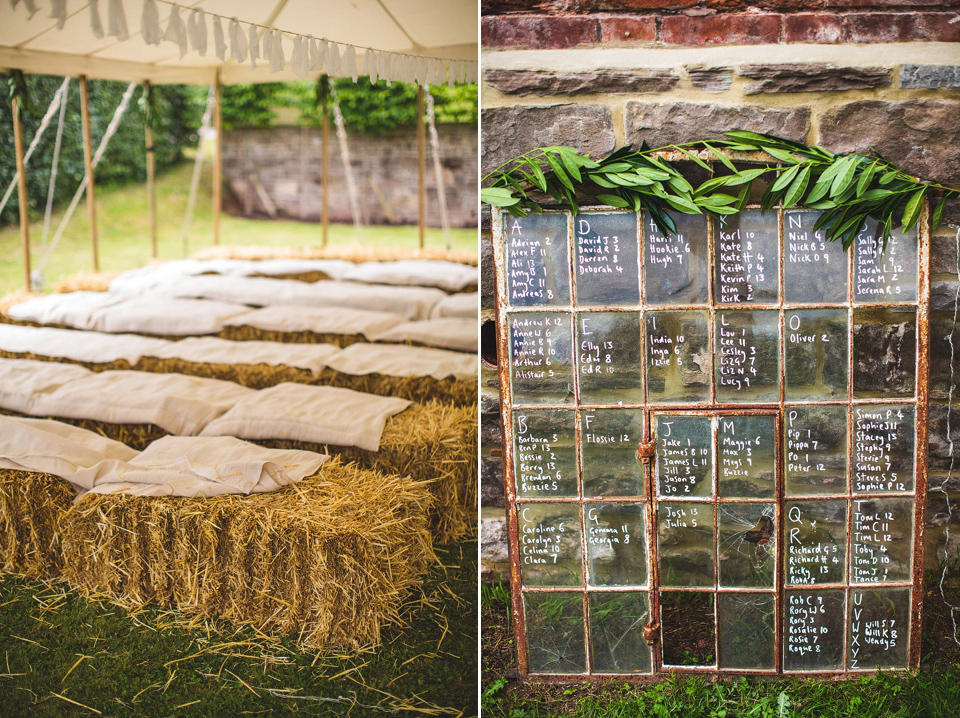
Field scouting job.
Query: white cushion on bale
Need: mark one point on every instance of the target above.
(177, 403)
(211, 350)
(408, 302)
(448, 276)
(24, 381)
(72, 309)
(465, 305)
(93, 347)
(403, 361)
(315, 414)
(452, 333)
(338, 320)
(170, 466)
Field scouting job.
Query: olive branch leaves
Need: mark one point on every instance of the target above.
(847, 188)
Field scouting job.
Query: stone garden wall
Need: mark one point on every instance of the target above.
(849, 76)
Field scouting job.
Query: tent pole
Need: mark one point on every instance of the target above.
(151, 169)
(325, 150)
(22, 189)
(88, 166)
(421, 164)
(218, 160)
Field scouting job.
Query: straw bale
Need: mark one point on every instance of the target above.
(32, 506)
(460, 392)
(329, 559)
(309, 277)
(243, 332)
(351, 253)
(136, 436)
(87, 282)
(432, 442)
(92, 366)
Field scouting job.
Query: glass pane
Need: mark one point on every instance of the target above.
(814, 270)
(545, 453)
(747, 537)
(541, 358)
(685, 544)
(538, 273)
(879, 628)
(617, 621)
(605, 267)
(884, 347)
(616, 544)
(678, 357)
(610, 357)
(816, 450)
(549, 544)
(688, 628)
(675, 265)
(746, 250)
(816, 542)
(883, 459)
(684, 456)
(609, 450)
(816, 354)
(554, 624)
(746, 630)
(748, 356)
(746, 466)
(885, 275)
(881, 536)
(813, 631)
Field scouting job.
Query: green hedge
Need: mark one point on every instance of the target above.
(177, 118)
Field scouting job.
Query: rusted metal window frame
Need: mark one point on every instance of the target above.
(920, 400)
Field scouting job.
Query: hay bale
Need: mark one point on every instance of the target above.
(314, 275)
(328, 559)
(32, 506)
(87, 282)
(432, 442)
(351, 253)
(460, 392)
(243, 332)
(92, 366)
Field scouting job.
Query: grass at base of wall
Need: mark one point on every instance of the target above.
(124, 232)
(933, 692)
(62, 654)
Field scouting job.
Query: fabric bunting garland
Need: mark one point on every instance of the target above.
(307, 54)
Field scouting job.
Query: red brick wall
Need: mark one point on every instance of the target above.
(555, 24)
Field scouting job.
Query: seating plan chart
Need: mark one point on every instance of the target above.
(715, 441)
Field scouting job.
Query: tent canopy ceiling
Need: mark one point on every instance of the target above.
(419, 28)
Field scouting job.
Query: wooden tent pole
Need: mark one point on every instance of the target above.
(325, 150)
(421, 165)
(22, 190)
(88, 166)
(151, 170)
(218, 160)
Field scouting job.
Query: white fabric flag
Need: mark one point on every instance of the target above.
(313, 54)
(219, 44)
(95, 26)
(350, 62)
(198, 31)
(254, 45)
(176, 31)
(117, 21)
(238, 41)
(299, 60)
(58, 12)
(333, 66)
(322, 52)
(370, 65)
(386, 71)
(150, 23)
(277, 59)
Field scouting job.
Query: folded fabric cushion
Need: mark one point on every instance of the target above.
(24, 381)
(211, 350)
(177, 403)
(72, 309)
(465, 305)
(316, 414)
(85, 346)
(403, 361)
(168, 317)
(452, 333)
(449, 276)
(319, 320)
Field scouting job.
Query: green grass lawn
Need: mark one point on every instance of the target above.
(62, 655)
(124, 233)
